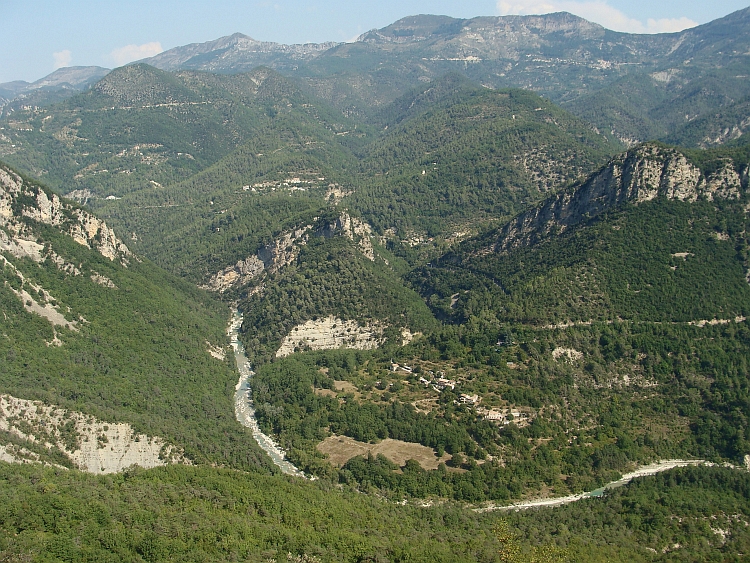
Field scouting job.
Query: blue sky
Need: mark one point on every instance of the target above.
(41, 35)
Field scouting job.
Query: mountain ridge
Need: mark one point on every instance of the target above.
(641, 174)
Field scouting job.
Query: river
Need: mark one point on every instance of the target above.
(245, 413)
(243, 405)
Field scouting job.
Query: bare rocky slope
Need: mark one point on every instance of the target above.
(19, 200)
(274, 256)
(91, 445)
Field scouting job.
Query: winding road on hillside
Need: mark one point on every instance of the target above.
(243, 405)
(643, 471)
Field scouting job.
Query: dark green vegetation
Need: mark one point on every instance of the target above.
(454, 154)
(639, 392)
(680, 515)
(202, 514)
(140, 128)
(662, 261)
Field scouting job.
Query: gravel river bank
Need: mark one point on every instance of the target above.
(243, 404)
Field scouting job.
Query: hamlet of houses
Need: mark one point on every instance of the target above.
(439, 382)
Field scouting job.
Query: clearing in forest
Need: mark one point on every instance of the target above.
(341, 449)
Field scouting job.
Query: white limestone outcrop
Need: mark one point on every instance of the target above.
(642, 174)
(19, 199)
(92, 445)
(330, 333)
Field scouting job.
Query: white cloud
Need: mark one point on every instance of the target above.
(62, 59)
(595, 11)
(130, 53)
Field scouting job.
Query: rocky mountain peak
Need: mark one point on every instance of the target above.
(237, 52)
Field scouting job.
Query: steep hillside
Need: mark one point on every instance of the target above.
(88, 326)
(279, 180)
(452, 154)
(330, 276)
(644, 238)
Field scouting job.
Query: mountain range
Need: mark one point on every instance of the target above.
(635, 87)
(470, 263)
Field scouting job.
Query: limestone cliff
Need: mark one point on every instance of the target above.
(284, 250)
(271, 257)
(641, 174)
(331, 333)
(20, 199)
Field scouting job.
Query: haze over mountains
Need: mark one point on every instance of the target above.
(470, 272)
(637, 87)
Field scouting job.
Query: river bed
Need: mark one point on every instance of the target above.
(243, 405)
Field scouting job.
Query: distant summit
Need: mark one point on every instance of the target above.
(75, 77)
(61, 84)
(426, 27)
(235, 53)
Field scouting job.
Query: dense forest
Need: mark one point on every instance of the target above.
(204, 514)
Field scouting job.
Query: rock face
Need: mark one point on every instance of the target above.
(354, 229)
(20, 199)
(329, 334)
(642, 174)
(271, 257)
(234, 276)
(285, 249)
(92, 445)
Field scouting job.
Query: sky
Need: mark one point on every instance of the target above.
(39, 36)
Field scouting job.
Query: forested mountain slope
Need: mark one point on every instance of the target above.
(216, 515)
(88, 326)
(460, 154)
(452, 154)
(635, 87)
(644, 238)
